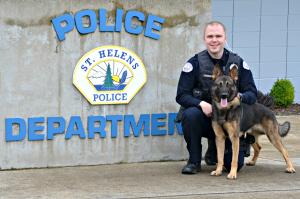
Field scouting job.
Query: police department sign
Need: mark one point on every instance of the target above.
(109, 75)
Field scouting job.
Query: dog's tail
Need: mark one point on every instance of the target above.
(268, 101)
(284, 128)
(265, 99)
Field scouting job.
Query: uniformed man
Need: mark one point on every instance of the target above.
(193, 94)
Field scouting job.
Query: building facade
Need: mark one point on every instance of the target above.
(265, 33)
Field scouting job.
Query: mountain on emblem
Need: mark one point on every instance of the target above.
(109, 75)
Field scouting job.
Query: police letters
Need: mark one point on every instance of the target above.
(66, 23)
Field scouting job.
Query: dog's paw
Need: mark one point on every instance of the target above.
(232, 176)
(290, 170)
(216, 173)
(250, 163)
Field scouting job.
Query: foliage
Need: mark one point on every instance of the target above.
(283, 92)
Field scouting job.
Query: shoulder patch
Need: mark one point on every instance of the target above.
(188, 67)
(245, 66)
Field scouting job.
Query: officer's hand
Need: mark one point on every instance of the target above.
(206, 108)
(235, 102)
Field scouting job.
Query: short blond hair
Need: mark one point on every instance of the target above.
(214, 23)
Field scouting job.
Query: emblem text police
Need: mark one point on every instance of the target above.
(66, 22)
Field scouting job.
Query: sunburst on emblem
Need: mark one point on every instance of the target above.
(109, 75)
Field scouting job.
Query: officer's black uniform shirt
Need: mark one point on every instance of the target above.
(223, 61)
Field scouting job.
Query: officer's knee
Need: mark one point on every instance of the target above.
(192, 114)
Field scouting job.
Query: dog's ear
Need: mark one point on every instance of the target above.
(217, 72)
(234, 72)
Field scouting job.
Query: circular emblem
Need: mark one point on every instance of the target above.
(188, 67)
(109, 75)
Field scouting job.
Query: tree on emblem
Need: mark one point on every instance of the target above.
(108, 83)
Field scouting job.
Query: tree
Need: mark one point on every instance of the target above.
(108, 83)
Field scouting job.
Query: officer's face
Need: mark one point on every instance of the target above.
(214, 38)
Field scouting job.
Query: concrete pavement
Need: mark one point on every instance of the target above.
(161, 179)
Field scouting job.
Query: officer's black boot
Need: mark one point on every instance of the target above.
(210, 157)
(191, 168)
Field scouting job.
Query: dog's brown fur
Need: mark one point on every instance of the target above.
(227, 122)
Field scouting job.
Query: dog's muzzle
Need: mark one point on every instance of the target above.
(224, 95)
(224, 101)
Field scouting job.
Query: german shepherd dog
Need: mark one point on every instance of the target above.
(229, 116)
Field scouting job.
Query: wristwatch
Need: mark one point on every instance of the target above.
(241, 96)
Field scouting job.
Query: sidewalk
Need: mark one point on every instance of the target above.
(161, 179)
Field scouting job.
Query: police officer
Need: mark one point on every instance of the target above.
(193, 94)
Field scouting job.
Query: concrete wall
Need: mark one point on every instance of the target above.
(265, 33)
(36, 79)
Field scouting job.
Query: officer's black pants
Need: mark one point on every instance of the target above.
(196, 125)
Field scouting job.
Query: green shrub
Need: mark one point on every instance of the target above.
(283, 92)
